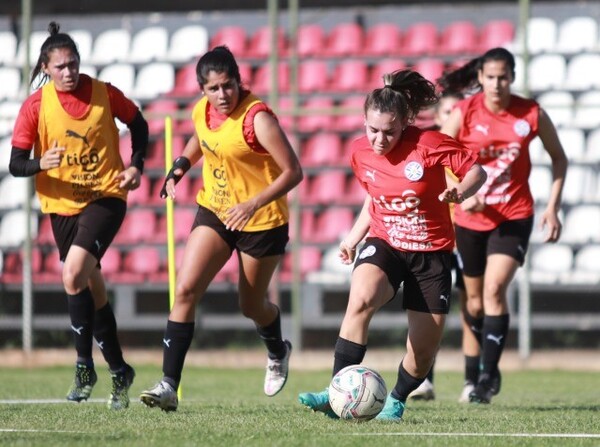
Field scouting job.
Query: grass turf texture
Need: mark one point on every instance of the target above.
(226, 407)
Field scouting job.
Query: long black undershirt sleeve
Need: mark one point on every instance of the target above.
(139, 140)
(21, 165)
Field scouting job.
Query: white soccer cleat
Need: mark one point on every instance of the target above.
(277, 372)
(162, 396)
(423, 392)
(464, 396)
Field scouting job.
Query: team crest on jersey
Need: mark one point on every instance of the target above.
(367, 251)
(522, 128)
(413, 171)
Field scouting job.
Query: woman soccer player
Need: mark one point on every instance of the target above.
(249, 167)
(493, 226)
(82, 184)
(411, 237)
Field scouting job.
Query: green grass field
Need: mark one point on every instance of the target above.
(226, 407)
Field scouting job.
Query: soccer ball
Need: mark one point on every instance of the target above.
(357, 393)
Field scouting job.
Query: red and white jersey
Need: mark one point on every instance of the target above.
(405, 184)
(501, 143)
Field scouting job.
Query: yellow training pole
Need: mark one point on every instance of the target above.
(170, 223)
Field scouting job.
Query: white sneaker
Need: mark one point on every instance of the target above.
(464, 396)
(277, 372)
(162, 395)
(423, 392)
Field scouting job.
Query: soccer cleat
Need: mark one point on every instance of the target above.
(277, 372)
(464, 396)
(483, 391)
(423, 392)
(392, 410)
(162, 396)
(318, 402)
(85, 379)
(496, 382)
(121, 381)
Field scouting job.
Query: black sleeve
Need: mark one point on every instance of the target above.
(139, 140)
(21, 165)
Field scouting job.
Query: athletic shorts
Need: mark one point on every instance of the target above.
(426, 275)
(258, 244)
(93, 229)
(509, 238)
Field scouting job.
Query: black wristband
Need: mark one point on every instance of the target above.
(182, 163)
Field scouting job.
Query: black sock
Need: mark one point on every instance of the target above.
(476, 326)
(495, 330)
(81, 312)
(347, 353)
(271, 336)
(405, 384)
(177, 340)
(105, 333)
(430, 373)
(471, 368)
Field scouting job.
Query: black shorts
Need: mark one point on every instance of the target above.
(426, 275)
(93, 229)
(258, 244)
(509, 238)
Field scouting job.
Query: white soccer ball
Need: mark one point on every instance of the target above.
(357, 393)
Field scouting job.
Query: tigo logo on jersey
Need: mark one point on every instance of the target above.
(413, 171)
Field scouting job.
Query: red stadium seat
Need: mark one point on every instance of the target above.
(234, 37)
(354, 194)
(311, 40)
(459, 37)
(351, 120)
(350, 76)
(12, 266)
(333, 224)
(45, 235)
(186, 82)
(496, 33)
(261, 84)
(313, 76)
(307, 226)
(144, 263)
(420, 39)
(156, 154)
(140, 195)
(327, 187)
(156, 112)
(383, 39)
(183, 193)
(317, 114)
(309, 259)
(138, 226)
(382, 67)
(321, 149)
(51, 271)
(259, 45)
(345, 39)
(430, 68)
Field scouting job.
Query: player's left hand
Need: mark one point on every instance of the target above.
(451, 195)
(550, 219)
(238, 216)
(129, 178)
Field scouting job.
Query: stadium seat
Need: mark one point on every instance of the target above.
(149, 44)
(120, 75)
(183, 218)
(156, 112)
(577, 34)
(430, 68)
(547, 72)
(184, 192)
(8, 48)
(138, 226)
(84, 40)
(36, 39)
(13, 229)
(573, 142)
(333, 224)
(234, 37)
(140, 195)
(45, 235)
(186, 82)
(592, 151)
(460, 37)
(313, 76)
(261, 83)
(353, 118)
(587, 110)
(187, 43)
(577, 76)
(146, 85)
(144, 263)
(309, 261)
(581, 224)
(420, 39)
(586, 267)
(307, 225)
(13, 193)
(345, 39)
(5, 150)
(111, 262)
(311, 40)
(541, 36)
(317, 114)
(382, 67)
(327, 187)
(550, 262)
(579, 185)
(11, 271)
(321, 149)
(259, 45)
(111, 45)
(383, 39)
(349, 76)
(496, 33)
(540, 183)
(559, 106)
(51, 269)
(354, 193)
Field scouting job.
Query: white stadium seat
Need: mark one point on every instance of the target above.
(149, 44)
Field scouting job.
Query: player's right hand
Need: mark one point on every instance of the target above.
(52, 157)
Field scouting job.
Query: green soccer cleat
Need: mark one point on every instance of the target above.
(318, 402)
(121, 381)
(392, 410)
(85, 379)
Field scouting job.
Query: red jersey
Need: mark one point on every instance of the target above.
(501, 143)
(75, 103)
(405, 184)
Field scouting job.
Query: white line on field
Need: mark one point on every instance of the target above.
(23, 430)
(488, 435)
(46, 401)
